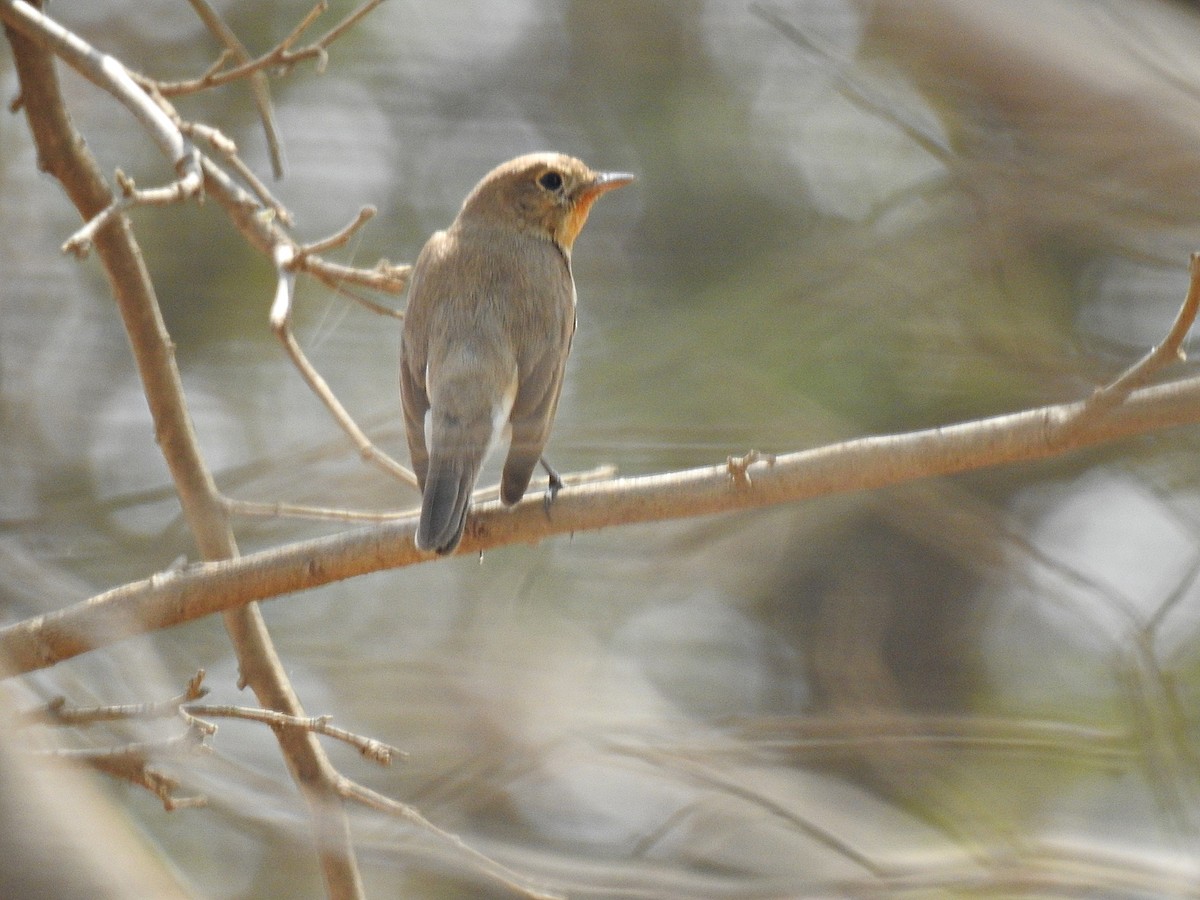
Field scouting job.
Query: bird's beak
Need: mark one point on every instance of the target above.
(605, 182)
(602, 183)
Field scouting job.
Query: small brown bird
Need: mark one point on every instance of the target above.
(491, 313)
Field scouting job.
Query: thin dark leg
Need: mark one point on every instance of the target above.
(555, 485)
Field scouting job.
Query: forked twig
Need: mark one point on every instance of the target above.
(228, 151)
(1169, 350)
(190, 185)
(281, 313)
(1166, 352)
(281, 55)
(372, 749)
(259, 86)
(134, 763)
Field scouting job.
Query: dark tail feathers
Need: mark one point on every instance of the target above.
(448, 486)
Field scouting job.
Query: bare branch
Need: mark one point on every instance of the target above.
(63, 153)
(863, 464)
(281, 312)
(259, 87)
(281, 55)
(107, 73)
(229, 153)
(340, 237)
(1169, 351)
(374, 750)
(57, 712)
(383, 276)
(264, 234)
(80, 243)
(134, 763)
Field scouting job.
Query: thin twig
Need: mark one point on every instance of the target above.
(264, 233)
(1167, 352)
(259, 86)
(340, 237)
(351, 790)
(372, 749)
(280, 318)
(278, 509)
(229, 153)
(281, 55)
(80, 243)
(347, 23)
(383, 276)
(58, 712)
(133, 763)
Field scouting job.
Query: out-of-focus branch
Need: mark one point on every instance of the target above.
(135, 763)
(59, 713)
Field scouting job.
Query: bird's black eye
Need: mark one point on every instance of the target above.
(551, 181)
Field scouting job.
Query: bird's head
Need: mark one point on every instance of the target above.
(549, 194)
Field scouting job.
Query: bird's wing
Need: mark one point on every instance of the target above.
(414, 357)
(415, 402)
(541, 380)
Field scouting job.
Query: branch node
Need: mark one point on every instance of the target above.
(737, 466)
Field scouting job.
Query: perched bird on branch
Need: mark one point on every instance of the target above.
(491, 313)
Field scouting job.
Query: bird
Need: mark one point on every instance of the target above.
(487, 330)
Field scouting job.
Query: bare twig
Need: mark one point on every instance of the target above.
(281, 55)
(58, 712)
(229, 153)
(383, 276)
(351, 790)
(1167, 352)
(372, 749)
(259, 87)
(276, 509)
(264, 233)
(80, 243)
(281, 312)
(730, 785)
(134, 763)
(339, 237)
(255, 509)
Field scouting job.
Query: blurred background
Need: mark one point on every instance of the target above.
(851, 217)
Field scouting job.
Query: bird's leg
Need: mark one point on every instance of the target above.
(555, 484)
